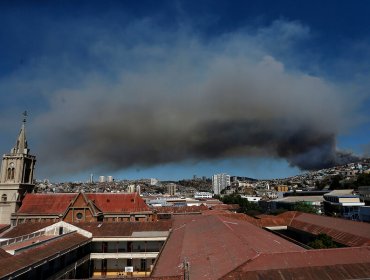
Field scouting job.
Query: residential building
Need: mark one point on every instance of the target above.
(251, 198)
(289, 202)
(200, 195)
(171, 189)
(342, 203)
(220, 182)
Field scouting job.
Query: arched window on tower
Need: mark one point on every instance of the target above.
(11, 172)
(4, 198)
(27, 175)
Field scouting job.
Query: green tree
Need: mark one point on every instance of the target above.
(322, 241)
(302, 206)
(335, 182)
(363, 180)
(250, 208)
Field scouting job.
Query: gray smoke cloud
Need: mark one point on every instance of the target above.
(180, 98)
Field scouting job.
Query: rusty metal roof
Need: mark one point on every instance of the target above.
(4, 254)
(214, 245)
(180, 209)
(57, 204)
(107, 229)
(118, 202)
(350, 233)
(24, 229)
(307, 258)
(47, 204)
(3, 227)
(337, 272)
(41, 253)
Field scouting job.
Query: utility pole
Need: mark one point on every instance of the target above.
(186, 270)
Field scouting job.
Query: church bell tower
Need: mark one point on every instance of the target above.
(16, 178)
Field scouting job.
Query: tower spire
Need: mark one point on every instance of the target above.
(21, 146)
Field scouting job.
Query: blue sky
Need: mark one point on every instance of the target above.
(169, 89)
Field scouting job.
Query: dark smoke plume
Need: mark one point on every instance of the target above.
(187, 100)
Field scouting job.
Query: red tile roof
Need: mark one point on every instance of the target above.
(47, 204)
(214, 245)
(118, 202)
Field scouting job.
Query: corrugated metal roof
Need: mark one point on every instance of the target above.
(118, 202)
(40, 253)
(107, 229)
(24, 229)
(3, 227)
(346, 232)
(180, 209)
(57, 204)
(307, 258)
(340, 192)
(335, 272)
(215, 245)
(4, 254)
(48, 204)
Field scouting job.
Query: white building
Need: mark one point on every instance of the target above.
(342, 203)
(252, 198)
(220, 182)
(153, 181)
(171, 189)
(198, 195)
(101, 179)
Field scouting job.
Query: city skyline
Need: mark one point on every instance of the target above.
(176, 89)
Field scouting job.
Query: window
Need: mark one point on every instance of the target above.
(11, 171)
(4, 198)
(143, 264)
(79, 215)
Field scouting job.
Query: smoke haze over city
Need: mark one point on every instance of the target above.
(111, 89)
